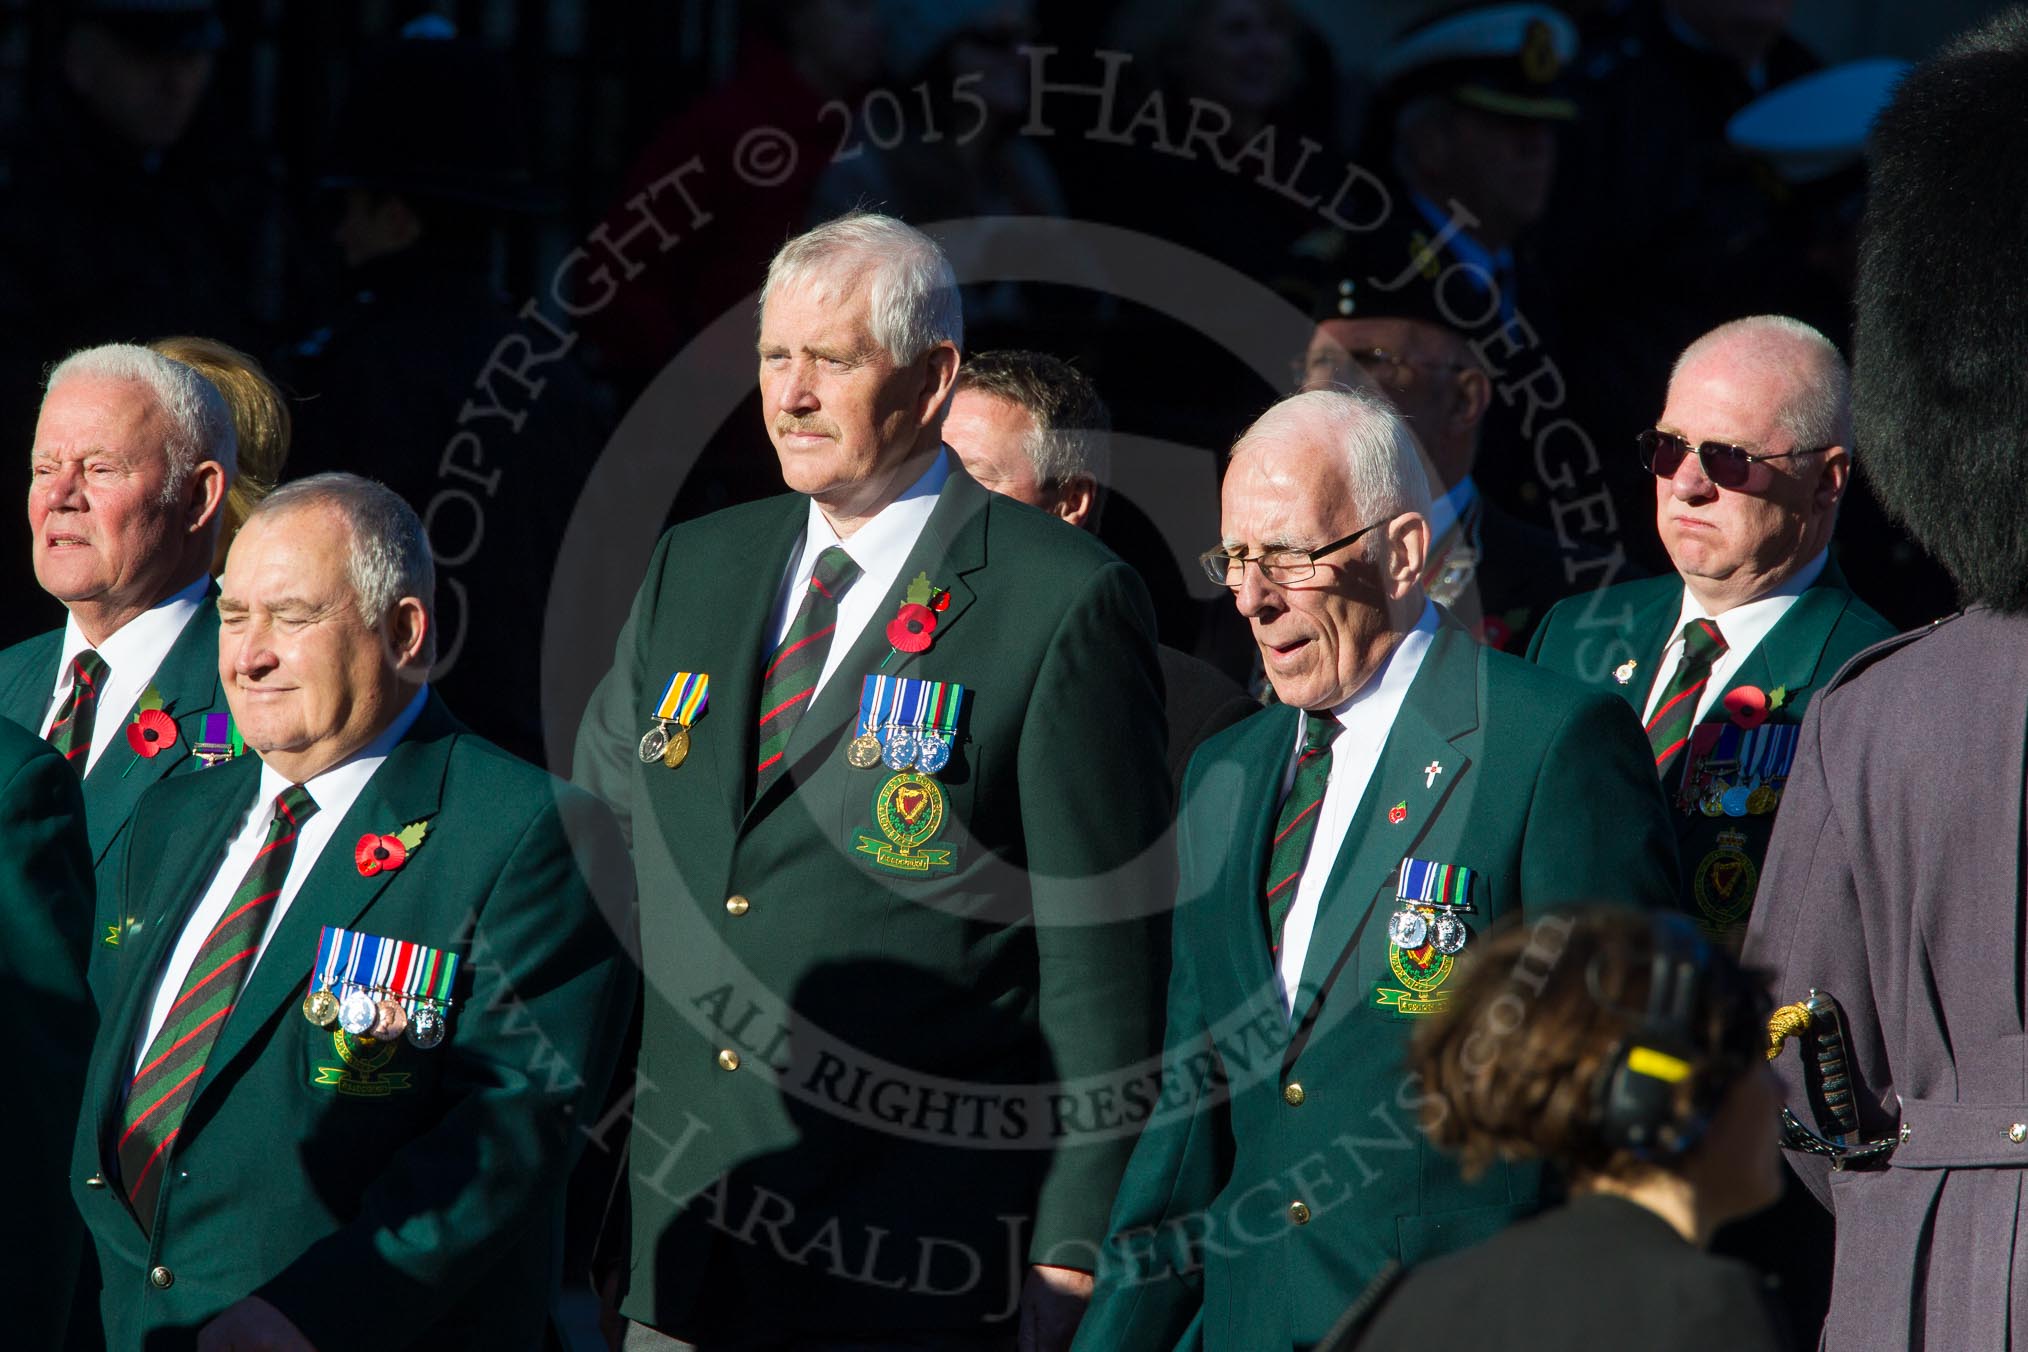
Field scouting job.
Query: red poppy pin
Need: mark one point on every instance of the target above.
(914, 627)
(376, 853)
(1398, 814)
(1748, 706)
(152, 730)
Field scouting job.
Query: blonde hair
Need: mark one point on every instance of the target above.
(260, 421)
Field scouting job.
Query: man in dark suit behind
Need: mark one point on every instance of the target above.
(370, 993)
(133, 454)
(1033, 427)
(799, 820)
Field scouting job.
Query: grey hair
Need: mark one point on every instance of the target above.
(1818, 409)
(912, 292)
(1380, 457)
(200, 423)
(1073, 426)
(389, 554)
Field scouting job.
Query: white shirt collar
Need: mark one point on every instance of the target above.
(132, 654)
(1744, 626)
(336, 788)
(884, 540)
(1446, 511)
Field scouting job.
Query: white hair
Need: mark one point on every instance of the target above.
(912, 293)
(389, 552)
(200, 423)
(1818, 410)
(1382, 463)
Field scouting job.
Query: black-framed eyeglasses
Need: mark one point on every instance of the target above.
(1227, 567)
(1663, 453)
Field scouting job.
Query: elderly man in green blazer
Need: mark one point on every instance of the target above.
(45, 906)
(370, 992)
(133, 454)
(1339, 854)
(896, 861)
(1751, 458)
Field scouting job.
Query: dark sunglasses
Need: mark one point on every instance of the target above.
(1662, 454)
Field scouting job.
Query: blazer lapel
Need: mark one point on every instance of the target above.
(1654, 625)
(221, 802)
(1265, 757)
(952, 545)
(407, 787)
(187, 680)
(739, 650)
(1440, 710)
(1788, 658)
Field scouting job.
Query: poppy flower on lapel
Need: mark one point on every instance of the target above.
(376, 853)
(1748, 706)
(151, 733)
(910, 630)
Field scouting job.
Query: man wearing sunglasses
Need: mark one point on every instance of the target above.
(1750, 459)
(1338, 851)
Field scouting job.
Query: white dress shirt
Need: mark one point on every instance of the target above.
(132, 653)
(879, 547)
(1367, 719)
(1743, 627)
(334, 792)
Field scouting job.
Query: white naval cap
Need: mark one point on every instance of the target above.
(1809, 129)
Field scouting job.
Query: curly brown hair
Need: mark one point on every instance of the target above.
(1540, 1010)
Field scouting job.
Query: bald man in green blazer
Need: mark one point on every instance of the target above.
(1339, 854)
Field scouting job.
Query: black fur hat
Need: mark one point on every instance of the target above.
(1941, 346)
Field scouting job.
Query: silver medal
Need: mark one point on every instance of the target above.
(898, 748)
(653, 743)
(358, 1012)
(426, 1026)
(1450, 934)
(933, 753)
(1407, 928)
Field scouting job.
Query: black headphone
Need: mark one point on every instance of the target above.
(1638, 1096)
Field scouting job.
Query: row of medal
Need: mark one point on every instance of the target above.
(381, 988)
(1738, 772)
(682, 703)
(1430, 898)
(906, 724)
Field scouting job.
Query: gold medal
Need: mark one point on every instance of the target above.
(676, 748)
(1762, 801)
(864, 752)
(321, 1008)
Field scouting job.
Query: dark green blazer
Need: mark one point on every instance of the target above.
(1284, 1165)
(892, 1149)
(1589, 637)
(188, 682)
(45, 906)
(429, 1213)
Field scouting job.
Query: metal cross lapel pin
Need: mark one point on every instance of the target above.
(1429, 774)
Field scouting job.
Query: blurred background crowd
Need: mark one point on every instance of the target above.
(465, 237)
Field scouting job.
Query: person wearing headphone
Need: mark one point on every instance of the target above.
(1628, 1054)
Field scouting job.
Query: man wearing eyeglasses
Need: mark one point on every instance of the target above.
(1338, 852)
(1385, 325)
(1751, 457)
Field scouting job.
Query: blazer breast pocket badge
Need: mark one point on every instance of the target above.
(909, 727)
(1424, 935)
(372, 993)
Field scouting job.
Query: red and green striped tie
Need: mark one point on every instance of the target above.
(163, 1086)
(791, 675)
(1677, 713)
(1297, 823)
(71, 731)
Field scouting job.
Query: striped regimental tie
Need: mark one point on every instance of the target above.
(791, 675)
(1297, 823)
(163, 1086)
(71, 731)
(1677, 712)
